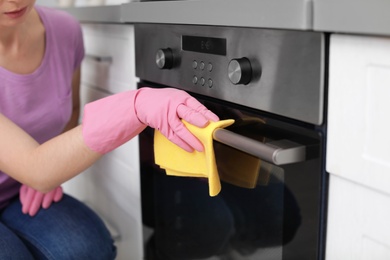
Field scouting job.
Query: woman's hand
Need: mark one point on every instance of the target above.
(163, 110)
(32, 200)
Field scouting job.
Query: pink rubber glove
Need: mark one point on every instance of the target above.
(33, 200)
(112, 121)
(164, 108)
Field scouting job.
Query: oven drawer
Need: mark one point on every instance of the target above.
(109, 60)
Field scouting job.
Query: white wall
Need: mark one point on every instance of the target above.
(47, 2)
(84, 2)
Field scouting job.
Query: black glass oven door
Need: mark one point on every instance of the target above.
(266, 209)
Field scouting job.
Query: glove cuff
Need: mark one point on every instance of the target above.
(110, 122)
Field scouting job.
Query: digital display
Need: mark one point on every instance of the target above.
(210, 45)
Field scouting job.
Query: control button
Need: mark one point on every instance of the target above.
(201, 66)
(210, 83)
(195, 80)
(164, 58)
(210, 67)
(202, 81)
(240, 71)
(194, 64)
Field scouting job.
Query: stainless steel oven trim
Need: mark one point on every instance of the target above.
(287, 89)
(287, 67)
(277, 152)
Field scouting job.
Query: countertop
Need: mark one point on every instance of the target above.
(96, 14)
(352, 16)
(281, 14)
(343, 16)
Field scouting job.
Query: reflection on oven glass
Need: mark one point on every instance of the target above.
(238, 224)
(245, 221)
(242, 169)
(239, 168)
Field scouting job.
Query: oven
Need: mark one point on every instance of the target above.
(271, 82)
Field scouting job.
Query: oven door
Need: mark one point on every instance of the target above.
(272, 212)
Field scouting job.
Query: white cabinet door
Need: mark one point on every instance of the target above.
(109, 61)
(358, 148)
(112, 185)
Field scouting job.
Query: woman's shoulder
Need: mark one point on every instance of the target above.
(63, 34)
(58, 20)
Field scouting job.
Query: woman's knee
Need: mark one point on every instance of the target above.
(11, 247)
(66, 230)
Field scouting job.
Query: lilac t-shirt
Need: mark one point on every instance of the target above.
(41, 102)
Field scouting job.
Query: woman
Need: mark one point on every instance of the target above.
(41, 145)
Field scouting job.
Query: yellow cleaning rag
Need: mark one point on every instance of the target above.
(178, 162)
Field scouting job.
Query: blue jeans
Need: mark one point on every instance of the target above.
(66, 230)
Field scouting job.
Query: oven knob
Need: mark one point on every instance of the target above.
(164, 58)
(240, 71)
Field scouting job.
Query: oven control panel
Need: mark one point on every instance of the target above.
(203, 73)
(277, 71)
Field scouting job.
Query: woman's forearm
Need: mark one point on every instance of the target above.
(74, 156)
(43, 167)
(65, 172)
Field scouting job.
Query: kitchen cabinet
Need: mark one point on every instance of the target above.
(112, 185)
(358, 154)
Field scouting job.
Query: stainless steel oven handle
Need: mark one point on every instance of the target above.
(277, 152)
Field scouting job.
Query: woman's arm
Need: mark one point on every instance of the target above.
(31, 199)
(43, 167)
(107, 124)
(73, 122)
